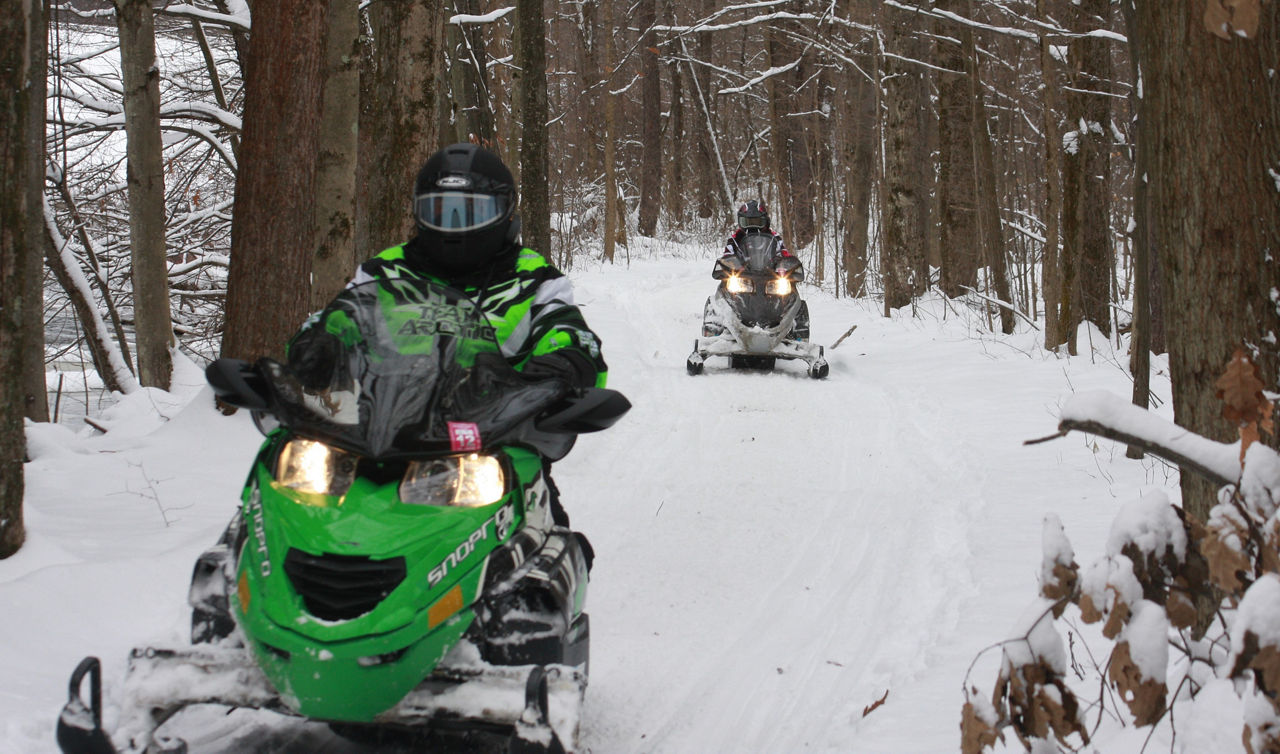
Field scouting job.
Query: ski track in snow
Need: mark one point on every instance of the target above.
(774, 553)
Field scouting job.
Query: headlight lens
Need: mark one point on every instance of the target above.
(470, 480)
(738, 284)
(778, 287)
(314, 468)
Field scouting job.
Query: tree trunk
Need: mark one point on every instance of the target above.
(153, 322)
(398, 126)
(991, 240)
(19, 244)
(903, 199)
(35, 393)
(857, 113)
(1051, 272)
(469, 77)
(958, 243)
(676, 148)
(273, 228)
(531, 59)
(1211, 112)
(651, 157)
(1097, 261)
(610, 133)
(1140, 338)
(336, 163)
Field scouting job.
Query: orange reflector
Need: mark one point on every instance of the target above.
(445, 607)
(242, 591)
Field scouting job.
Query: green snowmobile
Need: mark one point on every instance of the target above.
(394, 565)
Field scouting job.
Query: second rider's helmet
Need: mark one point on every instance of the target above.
(464, 207)
(753, 216)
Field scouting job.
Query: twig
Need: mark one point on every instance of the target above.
(840, 340)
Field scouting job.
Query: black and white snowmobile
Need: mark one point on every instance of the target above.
(756, 316)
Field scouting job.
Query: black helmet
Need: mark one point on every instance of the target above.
(753, 216)
(464, 206)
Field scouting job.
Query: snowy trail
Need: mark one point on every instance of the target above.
(805, 509)
(774, 553)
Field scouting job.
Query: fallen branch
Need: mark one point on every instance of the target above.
(1005, 305)
(840, 340)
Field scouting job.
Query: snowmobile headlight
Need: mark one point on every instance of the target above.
(778, 287)
(738, 284)
(471, 480)
(314, 468)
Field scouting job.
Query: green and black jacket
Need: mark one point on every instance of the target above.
(530, 307)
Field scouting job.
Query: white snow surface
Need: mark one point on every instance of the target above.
(774, 553)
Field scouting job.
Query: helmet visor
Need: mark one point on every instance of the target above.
(458, 212)
(751, 222)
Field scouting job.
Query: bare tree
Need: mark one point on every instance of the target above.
(34, 392)
(19, 245)
(273, 230)
(153, 323)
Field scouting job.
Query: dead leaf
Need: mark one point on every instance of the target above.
(1118, 616)
(1060, 585)
(869, 709)
(1226, 563)
(975, 734)
(1240, 389)
(1179, 606)
(1145, 696)
(1089, 613)
(1225, 18)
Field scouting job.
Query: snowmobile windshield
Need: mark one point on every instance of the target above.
(757, 251)
(404, 367)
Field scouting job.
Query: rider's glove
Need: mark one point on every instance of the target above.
(570, 366)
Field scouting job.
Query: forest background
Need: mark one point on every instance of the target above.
(172, 179)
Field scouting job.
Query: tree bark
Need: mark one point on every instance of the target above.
(1140, 338)
(153, 321)
(19, 70)
(903, 199)
(958, 230)
(650, 122)
(335, 256)
(1211, 110)
(273, 228)
(1097, 261)
(1051, 258)
(531, 52)
(35, 392)
(610, 134)
(398, 126)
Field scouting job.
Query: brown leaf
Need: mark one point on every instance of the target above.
(1117, 618)
(870, 708)
(1268, 739)
(1180, 608)
(1089, 612)
(1145, 696)
(1061, 584)
(975, 734)
(1225, 562)
(1224, 17)
(1240, 389)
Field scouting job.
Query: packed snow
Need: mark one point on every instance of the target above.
(775, 554)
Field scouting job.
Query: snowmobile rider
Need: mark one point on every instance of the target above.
(468, 238)
(753, 218)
